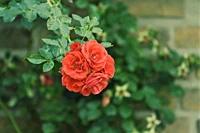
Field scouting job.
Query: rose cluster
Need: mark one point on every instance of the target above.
(86, 69)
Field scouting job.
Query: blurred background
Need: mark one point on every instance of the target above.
(177, 23)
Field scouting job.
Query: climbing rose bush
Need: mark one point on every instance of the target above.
(86, 69)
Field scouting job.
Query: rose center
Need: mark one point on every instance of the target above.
(95, 56)
(75, 64)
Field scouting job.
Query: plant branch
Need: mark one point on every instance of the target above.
(10, 116)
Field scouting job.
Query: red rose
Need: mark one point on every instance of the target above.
(75, 46)
(75, 65)
(87, 69)
(72, 84)
(95, 83)
(109, 68)
(95, 54)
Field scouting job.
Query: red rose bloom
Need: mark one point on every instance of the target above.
(87, 69)
(95, 83)
(109, 68)
(95, 54)
(75, 46)
(72, 84)
(75, 65)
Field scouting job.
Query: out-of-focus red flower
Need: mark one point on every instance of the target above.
(106, 100)
(46, 79)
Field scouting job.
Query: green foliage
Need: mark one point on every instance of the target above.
(147, 67)
(168, 115)
(36, 59)
(58, 22)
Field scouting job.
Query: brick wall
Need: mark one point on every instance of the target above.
(178, 22)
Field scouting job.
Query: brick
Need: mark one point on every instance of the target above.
(14, 38)
(191, 100)
(181, 125)
(187, 37)
(160, 8)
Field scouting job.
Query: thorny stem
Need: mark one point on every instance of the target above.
(10, 116)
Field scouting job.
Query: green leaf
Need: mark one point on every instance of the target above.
(48, 66)
(71, 1)
(23, 6)
(55, 50)
(110, 110)
(51, 42)
(64, 30)
(96, 30)
(36, 59)
(52, 24)
(43, 10)
(176, 90)
(76, 17)
(79, 31)
(93, 114)
(48, 128)
(146, 90)
(83, 113)
(153, 102)
(93, 105)
(89, 35)
(30, 92)
(81, 3)
(125, 111)
(137, 95)
(95, 129)
(169, 115)
(94, 11)
(85, 22)
(153, 33)
(26, 24)
(29, 3)
(65, 19)
(106, 44)
(56, 11)
(12, 102)
(46, 52)
(11, 13)
(128, 125)
(31, 15)
(49, 51)
(94, 22)
(59, 58)
(63, 42)
(2, 11)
